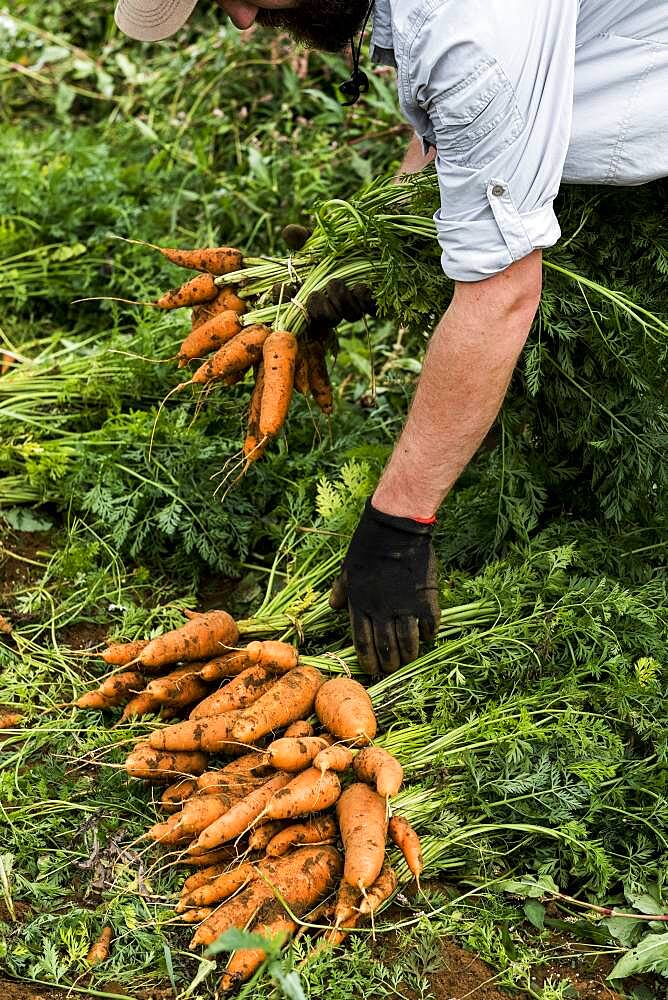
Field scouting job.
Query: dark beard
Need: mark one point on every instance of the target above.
(319, 24)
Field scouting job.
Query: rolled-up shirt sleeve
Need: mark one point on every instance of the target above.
(490, 84)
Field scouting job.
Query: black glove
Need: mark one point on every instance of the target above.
(337, 301)
(388, 582)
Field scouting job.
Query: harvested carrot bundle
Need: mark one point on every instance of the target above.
(180, 687)
(209, 336)
(122, 653)
(321, 829)
(212, 260)
(311, 791)
(299, 729)
(301, 879)
(199, 734)
(278, 657)
(99, 952)
(378, 767)
(263, 833)
(381, 890)
(319, 382)
(144, 762)
(291, 698)
(240, 817)
(173, 797)
(230, 664)
(141, 704)
(246, 961)
(408, 842)
(237, 355)
(200, 638)
(242, 691)
(363, 824)
(334, 758)
(200, 289)
(294, 754)
(344, 708)
(225, 300)
(279, 354)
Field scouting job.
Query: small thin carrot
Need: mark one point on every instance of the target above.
(202, 876)
(279, 355)
(200, 289)
(209, 336)
(319, 381)
(237, 355)
(406, 839)
(179, 687)
(302, 384)
(381, 890)
(99, 952)
(334, 758)
(197, 915)
(212, 260)
(119, 687)
(230, 664)
(145, 762)
(201, 811)
(254, 447)
(226, 299)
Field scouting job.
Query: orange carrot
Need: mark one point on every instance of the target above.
(231, 664)
(278, 657)
(119, 687)
(99, 952)
(320, 385)
(222, 855)
(311, 791)
(321, 829)
(122, 653)
(300, 879)
(334, 758)
(209, 336)
(9, 720)
(279, 354)
(202, 876)
(347, 903)
(200, 289)
(408, 842)
(225, 300)
(291, 698)
(179, 687)
(196, 915)
(218, 888)
(298, 729)
(141, 704)
(213, 734)
(294, 754)
(381, 890)
(145, 762)
(175, 795)
(245, 689)
(246, 961)
(254, 447)
(240, 817)
(363, 824)
(202, 810)
(200, 638)
(212, 260)
(378, 767)
(263, 833)
(245, 771)
(167, 832)
(237, 355)
(344, 708)
(94, 700)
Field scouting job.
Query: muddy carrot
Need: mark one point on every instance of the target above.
(173, 797)
(319, 382)
(209, 336)
(408, 842)
(200, 638)
(379, 768)
(319, 830)
(363, 824)
(240, 817)
(292, 697)
(212, 260)
(237, 355)
(146, 762)
(243, 690)
(99, 952)
(344, 708)
(308, 792)
(200, 289)
(122, 653)
(279, 354)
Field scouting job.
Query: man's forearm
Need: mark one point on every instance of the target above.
(466, 372)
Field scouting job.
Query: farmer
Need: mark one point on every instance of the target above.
(510, 97)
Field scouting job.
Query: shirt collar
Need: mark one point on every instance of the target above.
(382, 40)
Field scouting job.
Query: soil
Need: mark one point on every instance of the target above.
(15, 548)
(28, 991)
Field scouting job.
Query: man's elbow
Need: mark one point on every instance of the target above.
(512, 296)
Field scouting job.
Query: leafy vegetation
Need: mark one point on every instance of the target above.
(534, 732)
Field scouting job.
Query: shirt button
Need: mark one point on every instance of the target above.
(498, 190)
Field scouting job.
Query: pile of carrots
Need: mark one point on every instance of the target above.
(275, 791)
(280, 362)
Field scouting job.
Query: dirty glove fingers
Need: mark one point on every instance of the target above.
(430, 619)
(338, 595)
(343, 300)
(295, 236)
(408, 639)
(387, 647)
(363, 640)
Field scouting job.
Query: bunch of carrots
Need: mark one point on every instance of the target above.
(281, 362)
(275, 791)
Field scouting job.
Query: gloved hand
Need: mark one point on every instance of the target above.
(388, 582)
(337, 301)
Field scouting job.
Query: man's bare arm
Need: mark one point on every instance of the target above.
(466, 372)
(415, 158)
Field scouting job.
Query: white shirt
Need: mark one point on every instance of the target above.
(518, 96)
